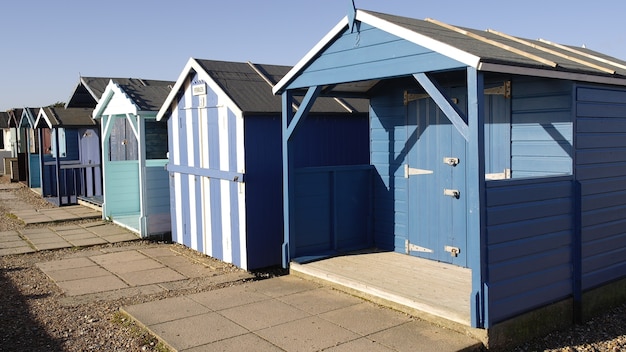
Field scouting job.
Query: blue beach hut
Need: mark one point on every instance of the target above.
(134, 145)
(225, 157)
(69, 153)
(493, 153)
(28, 159)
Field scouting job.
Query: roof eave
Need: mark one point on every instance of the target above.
(551, 73)
(191, 64)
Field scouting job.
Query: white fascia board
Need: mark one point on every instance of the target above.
(191, 64)
(536, 72)
(114, 95)
(419, 39)
(339, 27)
(42, 117)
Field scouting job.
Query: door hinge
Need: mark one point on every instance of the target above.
(410, 247)
(410, 171)
(504, 89)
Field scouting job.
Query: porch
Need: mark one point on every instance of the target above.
(428, 289)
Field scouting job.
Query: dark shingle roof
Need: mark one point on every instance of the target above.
(249, 90)
(497, 54)
(69, 117)
(90, 89)
(147, 97)
(4, 119)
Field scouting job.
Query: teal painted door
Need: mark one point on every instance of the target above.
(436, 184)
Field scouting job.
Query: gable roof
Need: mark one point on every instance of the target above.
(14, 117)
(51, 117)
(249, 86)
(138, 98)
(89, 90)
(485, 50)
(4, 119)
(28, 117)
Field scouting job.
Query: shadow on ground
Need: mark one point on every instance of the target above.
(20, 332)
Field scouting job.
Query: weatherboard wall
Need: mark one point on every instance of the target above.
(601, 175)
(225, 169)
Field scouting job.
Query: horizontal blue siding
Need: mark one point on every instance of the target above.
(601, 171)
(368, 54)
(529, 237)
(541, 127)
(34, 170)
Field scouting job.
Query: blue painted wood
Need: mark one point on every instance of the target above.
(122, 198)
(34, 170)
(542, 120)
(529, 236)
(369, 54)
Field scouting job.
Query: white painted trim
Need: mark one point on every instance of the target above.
(339, 27)
(419, 39)
(537, 72)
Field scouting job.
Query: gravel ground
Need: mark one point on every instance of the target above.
(32, 317)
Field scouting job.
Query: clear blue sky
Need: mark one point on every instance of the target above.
(46, 45)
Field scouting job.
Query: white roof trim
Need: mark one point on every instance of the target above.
(311, 54)
(191, 63)
(537, 72)
(42, 115)
(419, 39)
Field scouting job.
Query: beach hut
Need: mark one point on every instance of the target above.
(28, 158)
(69, 154)
(5, 141)
(134, 145)
(493, 153)
(225, 157)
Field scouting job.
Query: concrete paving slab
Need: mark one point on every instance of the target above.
(152, 276)
(118, 257)
(112, 295)
(422, 336)
(365, 318)
(52, 245)
(120, 237)
(16, 250)
(228, 297)
(320, 300)
(76, 273)
(87, 242)
(135, 265)
(309, 334)
(247, 342)
(12, 244)
(42, 231)
(65, 264)
(363, 344)
(91, 285)
(207, 281)
(183, 266)
(159, 253)
(282, 286)
(260, 315)
(162, 311)
(197, 330)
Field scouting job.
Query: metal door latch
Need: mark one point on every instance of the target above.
(452, 193)
(451, 161)
(454, 251)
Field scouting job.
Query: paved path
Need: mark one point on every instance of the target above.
(289, 314)
(56, 215)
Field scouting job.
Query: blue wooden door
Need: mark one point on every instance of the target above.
(436, 185)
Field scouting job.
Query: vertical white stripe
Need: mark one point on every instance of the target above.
(190, 131)
(241, 167)
(178, 202)
(207, 232)
(193, 224)
(224, 185)
(175, 148)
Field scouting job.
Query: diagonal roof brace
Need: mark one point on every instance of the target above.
(444, 104)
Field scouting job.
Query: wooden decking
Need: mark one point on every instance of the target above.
(435, 288)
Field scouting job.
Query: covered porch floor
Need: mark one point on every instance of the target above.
(427, 289)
